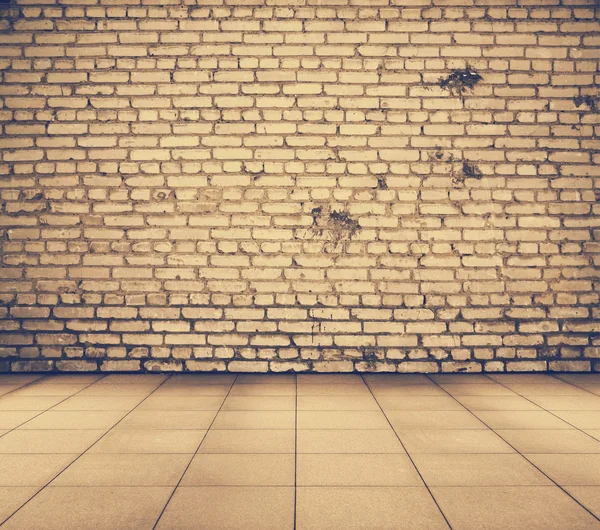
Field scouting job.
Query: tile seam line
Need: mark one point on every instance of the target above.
(519, 452)
(407, 454)
(40, 412)
(84, 452)
(193, 455)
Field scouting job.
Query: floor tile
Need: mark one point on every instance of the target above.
(268, 379)
(93, 508)
(329, 379)
(397, 379)
(249, 441)
(333, 390)
(558, 441)
(118, 390)
(124, 470)
(478, 470)
(181, 403)
(255, 419)
(356, 470)
(70, 379)
(430, 441)
(536, 379)
(8, 389)
(520, 419)
(350, 508)
(569, 470)
(497, 403)
(512, 508)
(582, 419)
(12, 498)
(168, 419)
(350, 402)
(560, 389)
(433, 419)
(144, 379)
(463, 379)
(263, 390)
(349, 441)
(229, 508)
(93, 403)
(589, 496)
(477, 390)
(49, 390)
(407, 390)
(340, 419)
(418, 403)
(191, 390)
(260, 403)
(240, 470)
(48, 441)
(149, 441)
(75, 419)
(201, 380)
(13, 402)
(587, 402)
(10, 419)
(32, 470)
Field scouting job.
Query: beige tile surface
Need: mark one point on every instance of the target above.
(453, 441)
(149, 441)
(571, 469)
(255, 419)
(228, 508)
(356, 470)
(15, 402)
(10, 419)
(558, 441)
(259, 403)
(91, 508)
(48, 441)
(93, 403)
(366, 441)
(589, 496)
(341, 419)
(521, 419)
(478, 470)
(410, 419)
(497, 403)
(581, 419)
(32, 470)
(351, 402)
(418, 403)
(124, 470)
(47, 389)
(249, 441)
(99, 419)
(168, 419)
(172, 403)
(362, 508)
(512, 508)
(240, 470)
(12, 498)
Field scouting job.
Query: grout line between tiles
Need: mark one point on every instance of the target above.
(193, 455)
(81, 454)
(524, 456)
(409, 456)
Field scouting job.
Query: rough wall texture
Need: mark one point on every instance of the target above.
(258, 185)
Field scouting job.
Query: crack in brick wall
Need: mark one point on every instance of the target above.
(332, 185)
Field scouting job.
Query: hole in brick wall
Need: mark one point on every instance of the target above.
(459, 81)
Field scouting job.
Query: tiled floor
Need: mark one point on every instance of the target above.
(310, 452)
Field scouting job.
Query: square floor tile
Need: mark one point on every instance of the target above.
(7, 389)
(49, 390)
(356, 470)
(132, 379)
(342, 419)
(255, 419)
(432, 441)
(181, 403)
(200, 379)
(32, 470)
(512, 508)
(560, 389)
(14, 402)
(497, 403)
(589, 496)
(349, 441)
(124, 470)
(48, 441)
(229, 508)
(11, 499)
(240, 470)
(75, 420)
(10, 419)
(520, 419)
(558, 441)
(263, 390)
(333, 390)
(268, 379)
(70, 379)
(478, 470)
(168, 419)
(149, 441)
(396, 379)
(430, 419)
(418, 403)
(18, 379)
(330, 379)
(579, 403)
(191, 390)
(91, 509)
(407, 390)
(582, 419)
(93, 403)
(351, 508)
(569, 470)
(249, 441)
(118, 390)
(536, 379)
(260, 403)
(492, 389)
(462, 379)
(337, 403)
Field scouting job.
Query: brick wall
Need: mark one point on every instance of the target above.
(326, 185)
